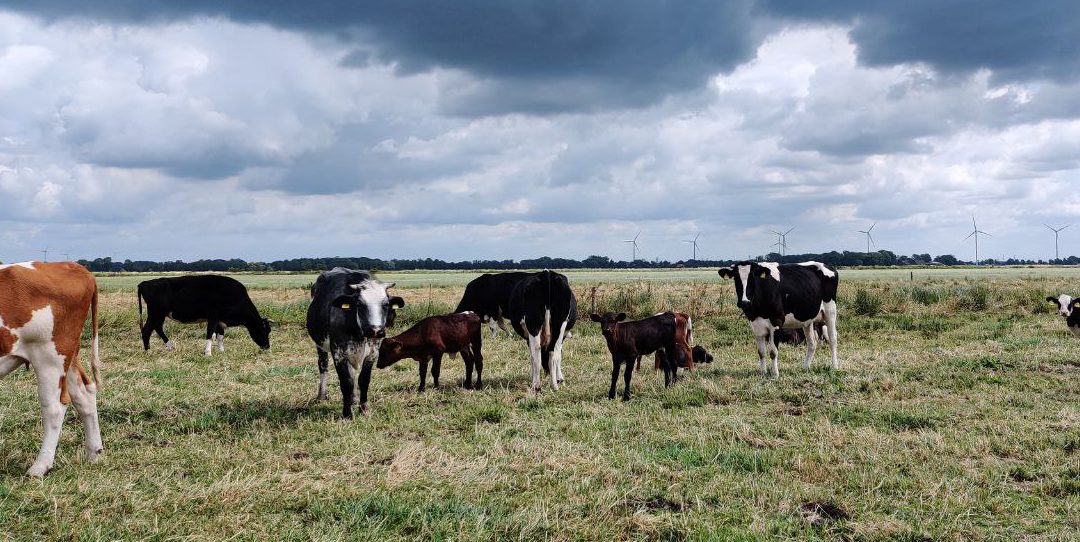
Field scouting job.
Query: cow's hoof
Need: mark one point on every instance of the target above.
(468, 385)
(625, 397)
(320, 397)
(37, 471)
(560, 381)
(93, 454)
(170, 346)
(364, 409)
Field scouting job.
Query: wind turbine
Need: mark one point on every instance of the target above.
(634, 243)
(693, 242)
(1056, 231)
(869, 239)
(975, 231)
(781, 240)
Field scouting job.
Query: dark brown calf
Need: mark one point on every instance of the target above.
(628, 341)
(434, 336)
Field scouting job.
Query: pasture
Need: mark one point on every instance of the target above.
(955, 416)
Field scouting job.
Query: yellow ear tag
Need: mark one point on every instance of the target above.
(345, 306)
(763, 273)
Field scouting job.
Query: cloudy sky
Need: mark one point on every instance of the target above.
(493, 129)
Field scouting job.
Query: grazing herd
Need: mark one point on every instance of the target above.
(43, 308)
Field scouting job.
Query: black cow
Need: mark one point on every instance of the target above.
(1066, 306)
(217, 300)
(773, 295)
(543, 309)
(489, 297)
(348, 316)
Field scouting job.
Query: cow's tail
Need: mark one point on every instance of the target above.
(139, 294)
(545, 329)
(95, 353)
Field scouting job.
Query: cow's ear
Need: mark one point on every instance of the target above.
(726, 272)
(1051, 299)
(594, 317)
(397, 302)
(620, 317)
(345, 302)
(1076, 304)
(390, 285)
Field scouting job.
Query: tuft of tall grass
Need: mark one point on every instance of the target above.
(866, 303)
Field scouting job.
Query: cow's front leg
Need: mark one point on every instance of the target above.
(762, 335)
(830, 328)
(467, 357)
(811, 344)
(49, 373)
(9, 363)
(628, 372)
(324, 366)
(614, 376)
(347, 381)
(365, 380)
(774, 353)
(423, 363)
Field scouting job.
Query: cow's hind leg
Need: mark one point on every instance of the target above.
(556, 355)
(50, 371)
(811, 343)
(423, 363)
(83, 394)
(477, 350)
(436, 368)
(324, 366)
(534, 359)
(221, 338)
(211, 331)
(830, 328)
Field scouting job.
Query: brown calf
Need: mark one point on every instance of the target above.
(42, 310)
(434, 336)
(669, 332)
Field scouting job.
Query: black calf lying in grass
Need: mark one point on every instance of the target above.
(434, 336)
(628, 341)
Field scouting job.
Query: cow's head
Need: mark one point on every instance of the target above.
(752, 280)
(370, 306)
(1065, 304)
(260, 333)
(607, 322)
(701, 355)
(389, 353)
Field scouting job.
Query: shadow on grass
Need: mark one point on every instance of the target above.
(236, 415)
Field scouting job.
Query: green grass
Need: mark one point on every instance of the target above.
(954, 416)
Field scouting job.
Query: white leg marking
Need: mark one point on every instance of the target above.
(209, 346)
(534, 359)
(49, 368)
(556, 357)
(830, 326)
(221, 342)
(320, 393)
(761, 328)
(811, 343)
(493, 325)
(84, 399)
(170, 346)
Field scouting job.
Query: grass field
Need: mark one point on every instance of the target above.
(955, 416)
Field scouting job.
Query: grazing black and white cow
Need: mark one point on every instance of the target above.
(348, 316)
(790, 296)
(1067, 305)
(543, 309)
(219, 301)
(489, 297)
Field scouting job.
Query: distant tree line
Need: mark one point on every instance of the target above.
(845, 258)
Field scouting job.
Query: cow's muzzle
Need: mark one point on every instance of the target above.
(374, 332)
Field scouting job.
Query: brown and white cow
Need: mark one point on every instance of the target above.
(43, 308)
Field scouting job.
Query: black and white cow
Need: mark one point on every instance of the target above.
(348, 316)
(543, 309)
(790, 296)
(489, 296)
(1067, 306)
(219, 301)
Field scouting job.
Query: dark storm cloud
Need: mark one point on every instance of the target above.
(1017, 40)
(611, 54)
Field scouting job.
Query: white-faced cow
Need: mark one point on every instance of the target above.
(348, 316)
(219, 301)
(489, 297)
(543, 309)
(43, 307)
(789, 296)
(1067, 306)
